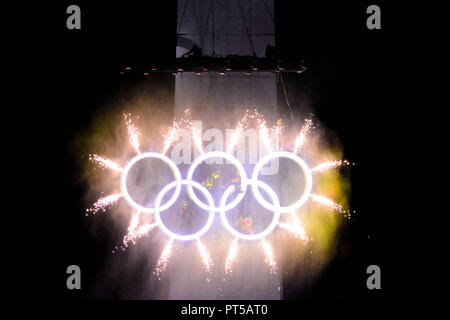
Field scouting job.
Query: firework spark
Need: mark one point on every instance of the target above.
(133, 132)
(103, 203)
(104, 163)
(169, 138)
(330, 204)
(231, 257)
(279, 131)
(134, 221)
(303, 135)
(237, 133)
(243, 124)
(141, 232)
(295, 228)
(206, 257)
(329, 165)
(270, 256)
(163, 259)
(263, 130)
(264, 133)
(134, 232)
(197, 136)
(184, 122)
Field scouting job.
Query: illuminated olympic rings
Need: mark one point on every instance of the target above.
(224, 206)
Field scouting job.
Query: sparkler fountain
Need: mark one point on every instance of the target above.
(221, 214)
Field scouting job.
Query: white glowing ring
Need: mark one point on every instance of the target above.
(273, 223)
(170, 163)
(306, 172)
(237, 164)
(172, 234)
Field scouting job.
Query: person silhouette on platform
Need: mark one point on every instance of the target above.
(195, 52)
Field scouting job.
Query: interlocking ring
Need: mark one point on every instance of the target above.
(223, 207)
(265, 232)
(174, 235)
(170, 163)
(300, 163)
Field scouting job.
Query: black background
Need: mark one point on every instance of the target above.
(358, 80)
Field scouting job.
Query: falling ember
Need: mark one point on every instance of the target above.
(133, 132)
(270, 256)
(295, 228)
(104, 163)
(134, 232)
(231, 257)
(163, 259)
(330, 165)
(206, 257)
(303, 135)
(330, 204)
(104, 202)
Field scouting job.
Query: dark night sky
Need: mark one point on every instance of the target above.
(353, 82)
